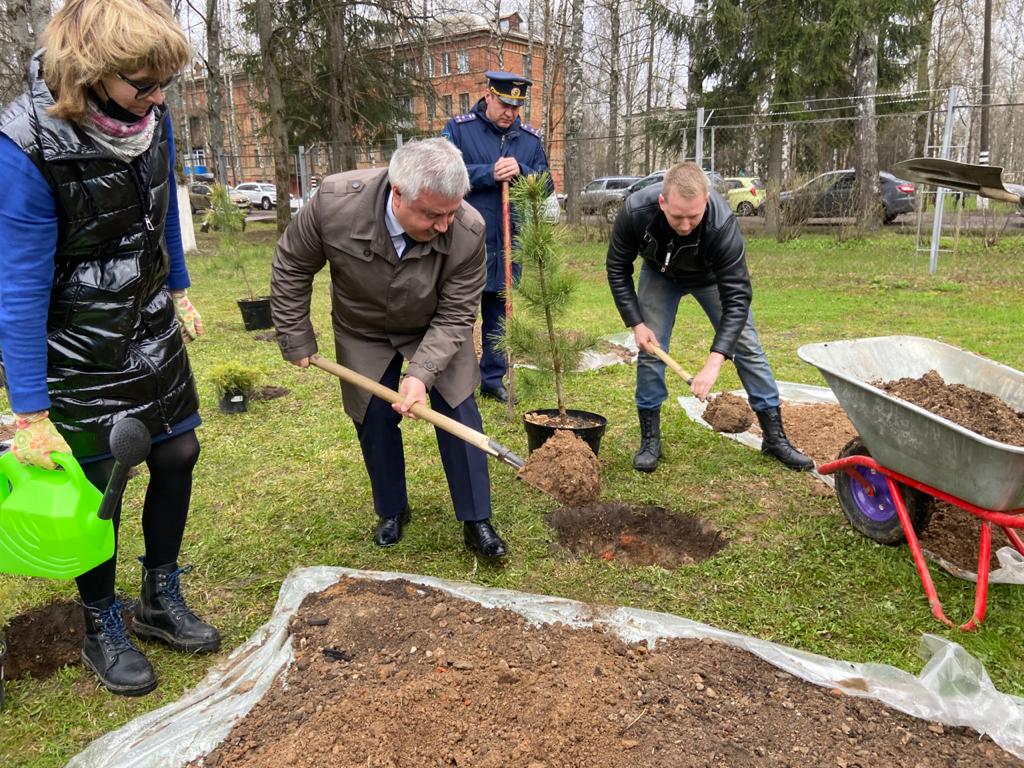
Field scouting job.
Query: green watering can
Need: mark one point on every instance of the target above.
(49, 525)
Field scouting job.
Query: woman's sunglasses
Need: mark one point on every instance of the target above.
(142, 90)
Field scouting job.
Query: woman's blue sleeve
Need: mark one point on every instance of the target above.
(178, 277)
(28, 241)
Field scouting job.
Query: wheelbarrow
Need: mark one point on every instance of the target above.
(906, 456)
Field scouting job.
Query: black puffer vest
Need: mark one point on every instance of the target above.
(115, 348)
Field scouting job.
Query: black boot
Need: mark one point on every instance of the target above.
(107, 651)
(775, 443)
(646, 459)
(163, 615)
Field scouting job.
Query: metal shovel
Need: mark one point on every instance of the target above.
(984, 180)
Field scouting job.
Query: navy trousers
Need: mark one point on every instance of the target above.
(492, 362)
(465, 465)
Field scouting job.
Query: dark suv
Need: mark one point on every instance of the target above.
(830, 196)
(604, 195)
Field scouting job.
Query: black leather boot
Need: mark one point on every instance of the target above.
(646, 459)
(775, 443)
(107, 651)
(163, 615)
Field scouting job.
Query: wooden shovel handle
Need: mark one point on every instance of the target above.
(421, 411)
(662, 355)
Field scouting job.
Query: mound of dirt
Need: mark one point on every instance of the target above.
(565, 468)
(977, 411)
(727, 412)
(635, 536)
(401, 676)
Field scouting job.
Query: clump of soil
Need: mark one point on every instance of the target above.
(977, 411)
(6, 430)
(727, 412)
(952, 534)
(623, 353)
(636, 536)
(393, 674)
(556, 420)
(265, 336)
(44, 639)
(269, 393)
(565, 468)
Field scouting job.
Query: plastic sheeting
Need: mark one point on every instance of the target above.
(953, 688)
(1011, 562)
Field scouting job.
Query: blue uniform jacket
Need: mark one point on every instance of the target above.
(482, 143)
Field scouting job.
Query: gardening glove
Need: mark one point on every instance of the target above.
(36, 438)
(189, 319)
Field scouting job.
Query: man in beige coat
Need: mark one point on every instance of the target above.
(407, 262)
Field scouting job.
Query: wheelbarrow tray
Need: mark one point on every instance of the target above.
(916, 442)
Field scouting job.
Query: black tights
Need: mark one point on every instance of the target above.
(164, 512)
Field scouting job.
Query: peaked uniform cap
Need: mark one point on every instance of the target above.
(510, 87)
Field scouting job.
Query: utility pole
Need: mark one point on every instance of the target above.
(986, 91)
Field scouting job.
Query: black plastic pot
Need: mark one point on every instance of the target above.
(538, 434)
(256, 313)
(234, 402)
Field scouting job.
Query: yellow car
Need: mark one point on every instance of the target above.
(745, 195)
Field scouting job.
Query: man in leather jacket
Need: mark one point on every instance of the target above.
(690, 244)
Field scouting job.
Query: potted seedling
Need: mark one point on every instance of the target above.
(234, 383)
(255, 309)
(542, 297)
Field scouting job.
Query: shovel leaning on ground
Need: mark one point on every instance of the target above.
(421, 411)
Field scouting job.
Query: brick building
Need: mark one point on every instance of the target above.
(451, 64)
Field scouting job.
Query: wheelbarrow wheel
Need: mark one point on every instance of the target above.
(874, 514)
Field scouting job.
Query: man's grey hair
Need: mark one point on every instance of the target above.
(434, 165)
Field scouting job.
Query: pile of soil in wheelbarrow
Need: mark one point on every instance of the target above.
(394, 674)
(977, 411)
(635, 536)
(566, 468)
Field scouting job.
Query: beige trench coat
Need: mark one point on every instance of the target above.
(422, 306)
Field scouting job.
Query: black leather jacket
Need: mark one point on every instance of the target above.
(114, 344)
(713, 254)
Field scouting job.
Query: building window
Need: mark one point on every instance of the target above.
(446, 104)
(446, 63)
(431, 107)
(527, 65)
(463, 103)
(429, 68)
(463, 62)
(503, 26)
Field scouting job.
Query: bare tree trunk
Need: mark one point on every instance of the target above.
(695, 75)
(343, 155)
(773, 218)
(278, 124)
(867, 197)
(615, 42)
(648, 159)
(26, 20)
(236, 163)
(574, 122)
(213, 91)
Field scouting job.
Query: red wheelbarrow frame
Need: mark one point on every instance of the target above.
(1008, 521)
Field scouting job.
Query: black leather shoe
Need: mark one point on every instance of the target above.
(498, 393)
(121, 667)
(481, 538)
(162, 613)
(389, 529)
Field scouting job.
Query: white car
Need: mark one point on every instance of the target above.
(259, 194)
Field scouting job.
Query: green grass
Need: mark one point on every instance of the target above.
(283, 486)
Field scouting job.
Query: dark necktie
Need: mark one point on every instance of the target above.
(409, 243)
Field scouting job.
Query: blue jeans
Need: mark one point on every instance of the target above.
(659, 301)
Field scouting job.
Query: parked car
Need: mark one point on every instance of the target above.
(199, 197)
(745, 195)
(259, 193)
(715, 179)
(830, 195)
(605, 195)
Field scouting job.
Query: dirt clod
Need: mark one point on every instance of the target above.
(565, 468)
(727, 412)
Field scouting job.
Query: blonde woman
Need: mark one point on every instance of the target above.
(94, 311)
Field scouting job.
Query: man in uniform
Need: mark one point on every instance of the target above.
(689, 244)
(406, 255)
(497, 147)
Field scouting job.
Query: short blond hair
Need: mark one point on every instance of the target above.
(87, 40)
(687, 180)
